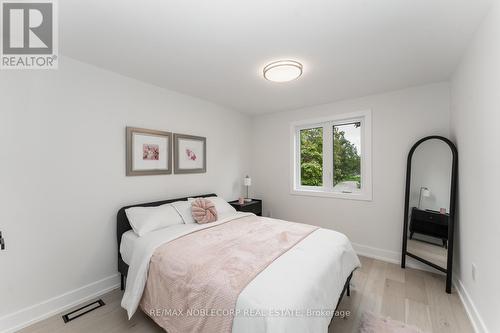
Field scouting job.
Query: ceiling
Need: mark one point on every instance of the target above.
(216, 49)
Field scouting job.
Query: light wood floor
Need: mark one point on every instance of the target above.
(408, 295)
(430, 252)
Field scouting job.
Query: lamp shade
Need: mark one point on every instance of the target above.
(247, 181)
(426, 192)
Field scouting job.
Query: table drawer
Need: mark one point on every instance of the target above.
(430, 217)
(255, 208)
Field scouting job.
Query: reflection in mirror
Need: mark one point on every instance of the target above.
(429, 202)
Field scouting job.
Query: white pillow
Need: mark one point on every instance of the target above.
(222, 206)
(184, 210)
(146, 219)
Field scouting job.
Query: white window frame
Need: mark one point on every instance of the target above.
(365, 193)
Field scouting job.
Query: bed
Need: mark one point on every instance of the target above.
(298, 291)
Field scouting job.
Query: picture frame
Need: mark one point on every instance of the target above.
(149, 152)
(190, 154)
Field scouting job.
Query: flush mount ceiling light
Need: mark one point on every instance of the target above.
(283, 71)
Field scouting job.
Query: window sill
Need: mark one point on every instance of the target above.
(361, 196)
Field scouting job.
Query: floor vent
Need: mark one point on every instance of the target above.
(83, 310)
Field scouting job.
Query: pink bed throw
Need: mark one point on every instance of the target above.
(204, 272)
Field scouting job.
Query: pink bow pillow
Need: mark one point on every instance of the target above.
(203, 211)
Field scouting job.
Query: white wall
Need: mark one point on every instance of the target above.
(62, 163)
(475, 121)
(399, 119)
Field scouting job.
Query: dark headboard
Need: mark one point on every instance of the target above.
(123, 225)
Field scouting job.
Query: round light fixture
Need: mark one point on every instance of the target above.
(283, 71)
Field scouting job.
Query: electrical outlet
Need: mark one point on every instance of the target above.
(474, 270)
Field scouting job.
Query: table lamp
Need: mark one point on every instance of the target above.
(424, 192)
(248, 182)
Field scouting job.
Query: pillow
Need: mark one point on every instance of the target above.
(184, 210)
(221, 205)
(146, 219)
(203, 211)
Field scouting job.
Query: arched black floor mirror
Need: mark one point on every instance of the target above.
(430, 204)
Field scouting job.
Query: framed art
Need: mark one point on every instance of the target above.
(190, 154)
(149, 152)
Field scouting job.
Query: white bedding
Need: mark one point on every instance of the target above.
(311, 275)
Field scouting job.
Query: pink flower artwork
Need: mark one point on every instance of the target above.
(190, 155)
(150, 152)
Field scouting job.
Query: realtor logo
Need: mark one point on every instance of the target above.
(29, 35)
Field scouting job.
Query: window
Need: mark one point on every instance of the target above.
(332, 156)
(311, 156)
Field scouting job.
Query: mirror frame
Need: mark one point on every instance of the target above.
(451, 219)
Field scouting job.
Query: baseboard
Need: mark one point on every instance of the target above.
(35, 313)
(470, 308)
(391, 257)
(376, 253)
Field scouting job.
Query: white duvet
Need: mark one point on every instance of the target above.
(295, 293)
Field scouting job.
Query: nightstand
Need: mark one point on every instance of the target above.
(254, 206)
(430, 223)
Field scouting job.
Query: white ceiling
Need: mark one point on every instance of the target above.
(215, 49)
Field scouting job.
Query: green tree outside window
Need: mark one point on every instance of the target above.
(346, 158)
(311, 156)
